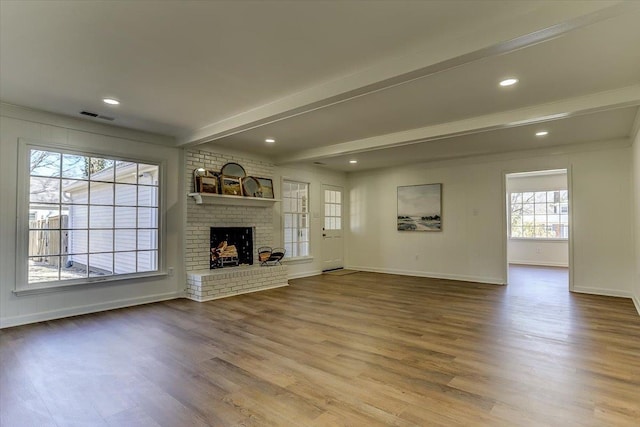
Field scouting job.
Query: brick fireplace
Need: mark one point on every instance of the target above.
(202, 282)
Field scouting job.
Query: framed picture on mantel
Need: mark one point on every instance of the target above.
(208, 185)
(251, 187)
(231, 186)
(266, 186)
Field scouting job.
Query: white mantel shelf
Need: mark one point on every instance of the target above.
(224, 199)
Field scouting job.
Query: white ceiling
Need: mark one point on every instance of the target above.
(601, 126)
(386, 82)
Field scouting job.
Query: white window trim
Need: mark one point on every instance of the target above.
(22, 286)
(538, 239)
(83, 283)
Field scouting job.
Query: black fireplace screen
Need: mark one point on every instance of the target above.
(231, 246)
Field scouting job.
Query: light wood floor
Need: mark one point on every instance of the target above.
(362, 349)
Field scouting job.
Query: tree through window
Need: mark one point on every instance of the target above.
(539, 214)
(90, 216)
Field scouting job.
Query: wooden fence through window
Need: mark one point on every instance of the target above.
(49, 238)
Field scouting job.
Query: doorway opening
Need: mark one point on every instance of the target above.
(538, 226)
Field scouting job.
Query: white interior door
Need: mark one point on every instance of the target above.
(332, 243)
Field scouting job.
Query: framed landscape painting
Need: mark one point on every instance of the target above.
(420, 207)
(266, 185)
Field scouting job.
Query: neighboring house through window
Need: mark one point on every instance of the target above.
(539, 214)
(295, 200)
(88, 218)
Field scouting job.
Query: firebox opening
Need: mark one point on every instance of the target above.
(231, 246)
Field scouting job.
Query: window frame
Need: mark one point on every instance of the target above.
(22, 285)
(546, 203)
(326, 203)
(288, 257)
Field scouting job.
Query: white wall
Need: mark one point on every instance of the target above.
(636, 186)
(553, 253)
(316, 177)
(83, 135)
(471, 245)
(550, 253)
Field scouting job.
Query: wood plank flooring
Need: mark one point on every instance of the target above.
(362, 349)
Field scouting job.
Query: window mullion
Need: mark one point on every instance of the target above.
(113, 222)
(89, 186)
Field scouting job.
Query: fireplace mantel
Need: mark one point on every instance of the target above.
(223, 199)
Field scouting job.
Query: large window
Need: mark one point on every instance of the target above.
(89, 218)
(295, 200)
(539, 215)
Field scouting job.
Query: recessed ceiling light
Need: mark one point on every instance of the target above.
(111, 101)
(542, 133)
(353, 162)
(508, 82)
(270, 140)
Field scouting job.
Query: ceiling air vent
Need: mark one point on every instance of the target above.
(96, 115)
(319, 163)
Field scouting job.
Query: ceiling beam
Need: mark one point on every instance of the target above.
(539, 25)
(608, 100)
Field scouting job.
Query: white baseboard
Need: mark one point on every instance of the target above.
(7, 322)
(417, 273)
(603, 292)
(542, 264)
(305, 274)
(636, 302)
(249, 291)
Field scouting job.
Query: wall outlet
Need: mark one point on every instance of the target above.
(417, 256)
(538, 250)
(170, 271)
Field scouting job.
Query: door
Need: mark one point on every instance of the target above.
(332, 243)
